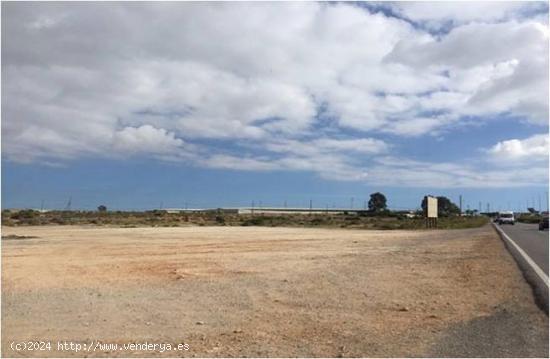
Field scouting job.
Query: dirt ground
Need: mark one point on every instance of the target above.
(257, 291)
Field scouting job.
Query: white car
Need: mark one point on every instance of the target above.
(506, 218)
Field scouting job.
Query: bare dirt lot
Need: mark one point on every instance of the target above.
(256, 291)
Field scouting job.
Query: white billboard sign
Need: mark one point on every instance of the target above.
(431, 207)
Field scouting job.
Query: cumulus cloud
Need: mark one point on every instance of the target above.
(486, 77)
(145, 139)
(532, 148)
(289, 86)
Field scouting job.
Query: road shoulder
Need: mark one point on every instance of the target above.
(531, 272)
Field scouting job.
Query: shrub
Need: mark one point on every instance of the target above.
(25, 214)
(317, 221)
(530, 218)
(254, 221)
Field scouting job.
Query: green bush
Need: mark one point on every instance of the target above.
(529, 218)
(25, 214)
(254, 221)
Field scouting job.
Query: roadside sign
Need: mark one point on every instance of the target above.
(431, 206)
(431, 212)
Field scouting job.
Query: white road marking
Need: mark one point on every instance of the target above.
(528, 259)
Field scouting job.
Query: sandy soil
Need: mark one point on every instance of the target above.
(255, 291)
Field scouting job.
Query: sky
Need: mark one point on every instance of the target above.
(149, 105)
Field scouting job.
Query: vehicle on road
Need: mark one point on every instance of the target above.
(506, 218)
(543, 224)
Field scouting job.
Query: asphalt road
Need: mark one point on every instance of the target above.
(531, 240)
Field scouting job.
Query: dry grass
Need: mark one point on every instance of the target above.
(385, 221)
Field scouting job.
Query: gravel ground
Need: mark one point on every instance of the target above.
(256, 291)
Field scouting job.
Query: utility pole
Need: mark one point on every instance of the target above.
(365, 205)
(310, 206)
(42, 206)
(480, 207)
(460, 200)
(540, 207)
(488, 207)
(68, 206)
(351, 202)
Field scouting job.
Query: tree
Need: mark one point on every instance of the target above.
(445, 207)
(377, 202)
(102, 208)
(471, 212)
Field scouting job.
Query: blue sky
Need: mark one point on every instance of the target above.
(145, 185)
(215, 105)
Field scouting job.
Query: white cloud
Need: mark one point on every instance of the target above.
(534, 148)
(363, 145)
(416, 126)
(296, 86)
(493, 68)
(332, 167)
(395, 171)
(411, 173)
(240, 163)
(145, 139)
(366, 146)
(436, 14)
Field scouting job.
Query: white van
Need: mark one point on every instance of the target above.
(506, 218)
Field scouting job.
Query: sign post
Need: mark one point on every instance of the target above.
(431, 212)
